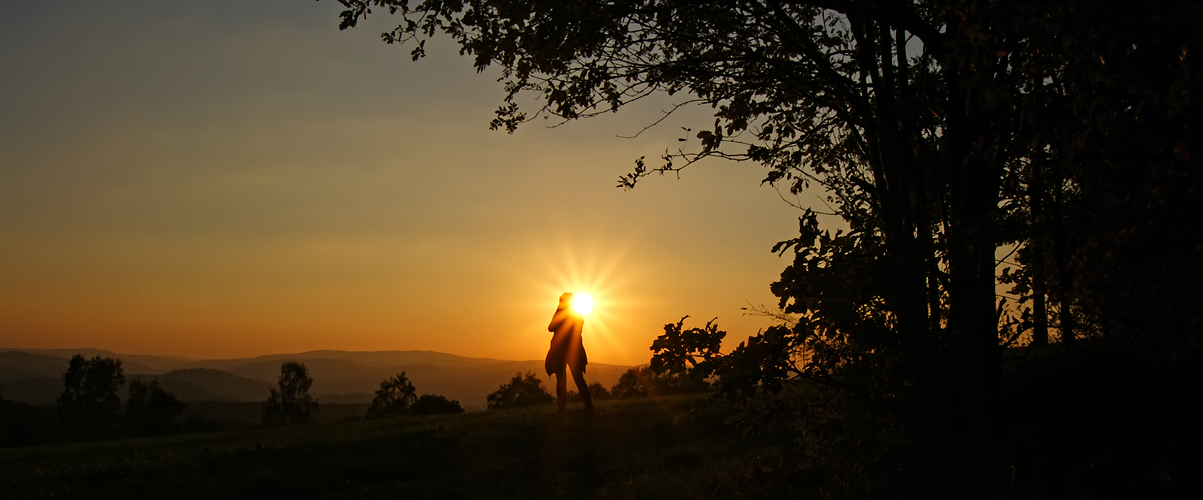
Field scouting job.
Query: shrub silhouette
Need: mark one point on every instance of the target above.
(598, 391)
(521, 391)
(434, 404)
(629, 385)
(89, 403)
(292, 403)
(641, 382)
(395, 397)
(151, 410)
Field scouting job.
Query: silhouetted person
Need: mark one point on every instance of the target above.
(567, 350)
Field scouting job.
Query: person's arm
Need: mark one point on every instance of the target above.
(557, 319)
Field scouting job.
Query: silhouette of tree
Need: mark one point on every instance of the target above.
(519, 392)
(395, 397)
(939, 131)
(150, 410)
(292, 403)
(434, 404)
(631, 384)
(640, 382)
(89, 403)
(599, 392)
(595, 389)
(687, 354)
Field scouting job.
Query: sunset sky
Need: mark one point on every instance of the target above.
(236, 178)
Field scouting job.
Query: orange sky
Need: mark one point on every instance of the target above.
(224, 179)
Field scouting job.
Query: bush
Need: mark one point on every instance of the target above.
(434, 404)
(642, 382)
(630, 384)
(596, 390)
(521, 391)
(151, 410)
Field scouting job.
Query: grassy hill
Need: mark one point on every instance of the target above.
(647, 448)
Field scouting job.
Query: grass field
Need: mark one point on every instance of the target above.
(644, 448)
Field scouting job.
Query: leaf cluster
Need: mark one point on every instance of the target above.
(291, 403)
(521, 391)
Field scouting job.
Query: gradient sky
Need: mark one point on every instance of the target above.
(235, 178)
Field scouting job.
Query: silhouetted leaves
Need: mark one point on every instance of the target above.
(394, 397)
(89, 403)
(687, 353)
(638, 382)
(150, 410)
(519, 392)
(938, 131)
(631, 384)
(291, 403)
(434, 404)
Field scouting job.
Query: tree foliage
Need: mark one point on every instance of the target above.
(435, 404)
(291, 404)
(944, 134)
(89, 403)
(642, 381)
(521, 391)
(394, 397)
(150, 409)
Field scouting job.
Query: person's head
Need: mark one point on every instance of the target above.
(566, 299)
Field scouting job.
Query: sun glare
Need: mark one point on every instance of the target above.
(582, 303)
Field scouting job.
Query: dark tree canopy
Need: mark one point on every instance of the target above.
(89, 403)
(291, 404)
(435, 404)
(521, 391)
(150, 409)
(1047, 146)
(687, 352)
(394, 397)
(940, 131)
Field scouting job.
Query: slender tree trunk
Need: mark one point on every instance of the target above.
(1036, 248)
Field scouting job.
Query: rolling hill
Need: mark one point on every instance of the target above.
(34, 375)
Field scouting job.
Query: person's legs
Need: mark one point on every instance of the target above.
(583, 387)
(561, 389)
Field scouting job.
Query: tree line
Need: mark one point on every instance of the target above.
(90, 406)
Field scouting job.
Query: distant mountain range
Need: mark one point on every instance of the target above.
(35, 375)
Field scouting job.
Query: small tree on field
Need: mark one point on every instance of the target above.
(434, 404)
(521, 391)
(151, 410)
(644, 381)
(395, 397)
(292, 403)
(89, 403)
(630, 384)
(599, 392)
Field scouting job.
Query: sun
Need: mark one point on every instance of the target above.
(582, 303)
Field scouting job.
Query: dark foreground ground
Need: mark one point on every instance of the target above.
(647, 448)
